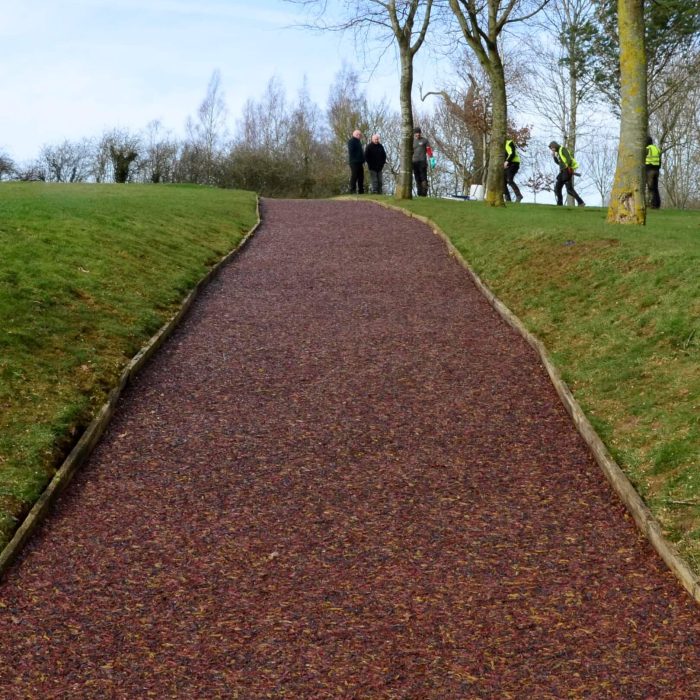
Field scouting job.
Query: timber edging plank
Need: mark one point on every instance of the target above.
(643, 517)
(94, 431)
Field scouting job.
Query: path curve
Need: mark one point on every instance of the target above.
(343, 477)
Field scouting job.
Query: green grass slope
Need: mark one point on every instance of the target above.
(87, 274)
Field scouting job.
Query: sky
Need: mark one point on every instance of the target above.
(76, 68)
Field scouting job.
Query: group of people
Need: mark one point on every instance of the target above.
(375, 157)
(567, 170)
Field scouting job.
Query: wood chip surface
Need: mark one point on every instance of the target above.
(343, 477)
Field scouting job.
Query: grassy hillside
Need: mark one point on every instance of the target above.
(87, 274)
(618, 307)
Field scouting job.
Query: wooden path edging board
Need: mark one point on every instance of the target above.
(98, 425)
(643, 517)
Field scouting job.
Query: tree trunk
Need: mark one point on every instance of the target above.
(573, 105)
(495, 180)
(404, 181)
(627, 198)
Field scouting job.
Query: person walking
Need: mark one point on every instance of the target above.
(567, 164)
(511, 167)
(652, 165)
(375, 157)
(356, 160)
(421, 152)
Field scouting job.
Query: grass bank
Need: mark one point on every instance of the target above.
(87, 274)
(618, 307)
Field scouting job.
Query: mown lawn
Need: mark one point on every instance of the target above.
(618, 307)
(87, 274)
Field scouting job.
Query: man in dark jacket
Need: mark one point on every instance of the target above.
(356, 159)
(375, 156)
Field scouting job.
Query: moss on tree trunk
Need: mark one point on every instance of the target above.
(627, 198)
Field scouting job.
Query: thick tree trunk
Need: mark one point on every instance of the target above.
(573, 108)
(495, 179)
(404, 180)
(627, 199)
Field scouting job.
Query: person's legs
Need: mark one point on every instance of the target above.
(354, 175)
(558, 187)
(360, 178)
(374, 181)
(422, 181)
(572, 192)
(653, 188)
(417, 176)
(380, 183)
(511, 172)
(567, 178)
(656, 199)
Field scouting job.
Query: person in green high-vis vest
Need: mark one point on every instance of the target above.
(652, 165)
(510, 168)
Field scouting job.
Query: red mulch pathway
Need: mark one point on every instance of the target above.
(343, 477)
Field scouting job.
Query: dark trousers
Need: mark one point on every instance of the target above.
(653, 187)
(566, 177)
(357, 178)
(375, 181)
(510, 172)
(420, 173)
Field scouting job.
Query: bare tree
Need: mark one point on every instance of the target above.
(160, 154)
(68, 161)
(598, 160)
(563, 75)
(627, 205)
(7, 166)
(680, 156)
(404, 23)
(265, 124)
(482, 24)
(674, 126)
(303, 142)
(206, 133)
(469, 104)
(347, 110)
(538, 177)
(453, 138)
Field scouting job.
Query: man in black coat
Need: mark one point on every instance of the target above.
(375, 156)
(356, 159)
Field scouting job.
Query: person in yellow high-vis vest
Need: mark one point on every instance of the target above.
(510, 168)
(652, 165)
(567, 167)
